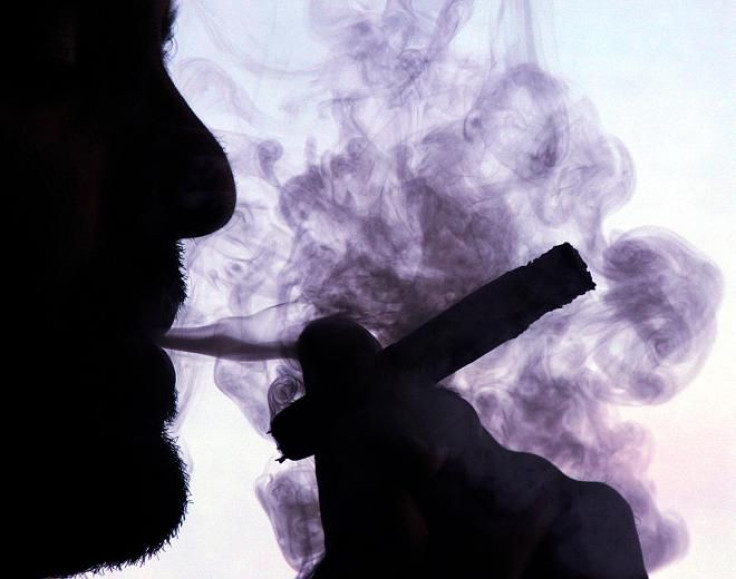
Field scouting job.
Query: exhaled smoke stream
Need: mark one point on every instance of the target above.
(423, 175)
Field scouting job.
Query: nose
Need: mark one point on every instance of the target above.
(192, 174)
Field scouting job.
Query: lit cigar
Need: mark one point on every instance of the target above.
(496, 313)
(490, 316)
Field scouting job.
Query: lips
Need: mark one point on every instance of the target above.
(159, 398)
(158, 312)
(134, 299)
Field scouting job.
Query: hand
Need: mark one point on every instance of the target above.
(411, 485)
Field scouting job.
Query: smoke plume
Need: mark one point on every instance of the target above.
(392, 174)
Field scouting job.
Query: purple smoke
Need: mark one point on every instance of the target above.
(424, 175)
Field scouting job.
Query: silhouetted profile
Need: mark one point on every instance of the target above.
(104, 169)
(412, 485)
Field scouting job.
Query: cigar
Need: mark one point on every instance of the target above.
(490, 316)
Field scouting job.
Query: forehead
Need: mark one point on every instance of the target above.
(39, 14)
(68, 49)
(44, 26)
(107, 17)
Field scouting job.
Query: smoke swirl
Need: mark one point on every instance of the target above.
(412, 174)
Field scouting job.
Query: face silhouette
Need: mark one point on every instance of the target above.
(105, 168)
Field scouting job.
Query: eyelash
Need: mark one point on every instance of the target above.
(167, 50)
(168, 44)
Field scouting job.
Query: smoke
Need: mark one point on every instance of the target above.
(399, 173)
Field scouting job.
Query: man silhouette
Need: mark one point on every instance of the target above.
(105, 168)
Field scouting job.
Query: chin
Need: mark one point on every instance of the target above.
(120, 508)
(100, 483)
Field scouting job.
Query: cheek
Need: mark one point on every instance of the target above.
(72, 164)
(89, 167)
(53, 177)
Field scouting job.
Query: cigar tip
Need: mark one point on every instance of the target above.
(566, 260)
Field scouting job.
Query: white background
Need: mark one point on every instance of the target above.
(662, 75)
